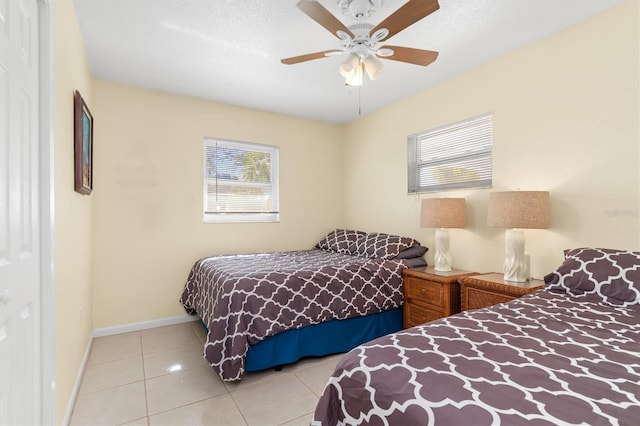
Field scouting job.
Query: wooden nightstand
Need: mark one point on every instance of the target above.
(429, 295)
(479, 291)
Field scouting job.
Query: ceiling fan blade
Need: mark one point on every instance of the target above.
(322, 16)
(409, 14)
(411, 55)
(308, 57)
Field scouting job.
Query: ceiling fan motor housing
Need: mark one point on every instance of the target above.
(359, 9)
(363, 44)
(361, 32)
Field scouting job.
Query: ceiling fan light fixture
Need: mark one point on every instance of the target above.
(374, 67)
(358, 77)
(350, 66)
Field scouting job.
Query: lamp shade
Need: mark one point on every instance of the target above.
(443, 213)
(357, 79)
(349, 67)
(519, 209)
(373, 67)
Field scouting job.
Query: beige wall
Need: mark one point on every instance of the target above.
(566, 119)
(148, 226)
(73, 223)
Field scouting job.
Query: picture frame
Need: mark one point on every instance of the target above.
(83, 145)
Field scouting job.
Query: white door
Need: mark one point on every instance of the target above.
(19, 214)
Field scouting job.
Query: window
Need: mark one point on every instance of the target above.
(240, 182)
(450, 157)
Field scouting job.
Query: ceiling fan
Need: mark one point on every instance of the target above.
(362, 41)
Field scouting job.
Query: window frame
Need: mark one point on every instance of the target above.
(244, 217)
(420, 140)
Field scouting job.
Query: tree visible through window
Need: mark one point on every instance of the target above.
(453, 156)
(240, 182)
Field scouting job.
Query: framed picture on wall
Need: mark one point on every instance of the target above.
(83, 145)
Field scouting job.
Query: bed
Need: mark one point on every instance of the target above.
(567, 354)
(266, 310)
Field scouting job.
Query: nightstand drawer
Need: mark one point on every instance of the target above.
(477, 299)
(430, 294)
(416, 315)
(424, 291)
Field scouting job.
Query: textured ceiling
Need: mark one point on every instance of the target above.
(229, 50)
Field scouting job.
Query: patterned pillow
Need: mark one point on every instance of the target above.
(339, 240)
(611, 275)
(385, 246)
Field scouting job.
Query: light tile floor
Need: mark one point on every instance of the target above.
(158, 377)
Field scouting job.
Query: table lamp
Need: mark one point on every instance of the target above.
(518, 209)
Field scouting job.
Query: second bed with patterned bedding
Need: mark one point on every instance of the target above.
(243, 299)
(569, 354)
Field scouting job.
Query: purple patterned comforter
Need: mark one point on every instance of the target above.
(543, 359)
(245, 298)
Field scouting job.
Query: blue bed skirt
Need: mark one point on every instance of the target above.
(321, 339)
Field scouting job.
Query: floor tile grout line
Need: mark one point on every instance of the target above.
(168, 348)
(180, 345)
(188, 404)
(246, 421)
(144, 372)
(149, 415)
(113, 360)
(144, 384)
(111, 387)
(144, 379)
(309, 387)
(299, 417)
(295, 373)
(172, 348)
(174, 372)
(266, 379)
(134, 420)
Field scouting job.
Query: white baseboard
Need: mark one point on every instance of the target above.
(108, 331)
(76, 386)
(137, 326)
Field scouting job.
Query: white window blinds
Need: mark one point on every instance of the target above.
(452, 156)
(240, 182)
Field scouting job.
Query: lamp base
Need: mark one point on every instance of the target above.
(442, 255)
(516, 265)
